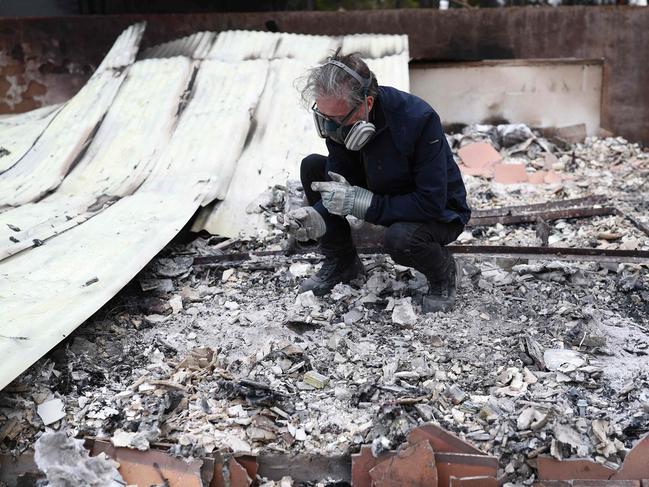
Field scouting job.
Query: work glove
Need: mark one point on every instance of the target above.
(341, 198)
(306, 223)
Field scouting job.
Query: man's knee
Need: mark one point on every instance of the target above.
(399, 238)
(313, 167)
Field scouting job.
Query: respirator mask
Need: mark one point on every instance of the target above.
(353, 136)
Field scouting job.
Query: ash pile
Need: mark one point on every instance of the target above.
(537, 358)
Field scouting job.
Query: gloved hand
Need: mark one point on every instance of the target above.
(306, 223)
(341, 198)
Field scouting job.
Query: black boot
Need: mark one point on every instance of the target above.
(334, 270)
(441, 292)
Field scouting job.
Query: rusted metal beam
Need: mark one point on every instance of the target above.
(555, 253)
(545, 215)
(636, 223)
(532, 253)
(540, 207)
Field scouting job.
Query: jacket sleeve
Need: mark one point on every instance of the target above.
(338, 161)
(428, 201)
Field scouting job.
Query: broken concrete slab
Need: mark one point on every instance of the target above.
(136, 440)
(51, 411)
(562, 359)
(412, 466)
(403, 312)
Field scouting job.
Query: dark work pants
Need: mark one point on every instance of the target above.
(411, 244)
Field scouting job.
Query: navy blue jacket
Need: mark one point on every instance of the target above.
(408, 164)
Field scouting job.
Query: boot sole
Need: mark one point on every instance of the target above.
(324, 292)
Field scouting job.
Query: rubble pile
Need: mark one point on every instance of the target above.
(537, 358)
(611, 167)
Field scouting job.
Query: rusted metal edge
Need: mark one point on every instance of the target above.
(545, 215)
(306, 468)
(532, 253)
(636, 223)
(302, 468)
(555, 253)
(540, 207)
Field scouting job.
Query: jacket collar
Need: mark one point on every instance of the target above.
(378, 117)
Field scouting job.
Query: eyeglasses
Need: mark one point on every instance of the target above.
(327, 125)
(336, 120)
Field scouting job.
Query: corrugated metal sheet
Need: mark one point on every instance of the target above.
(106, 180)
(41, 169)
(124, 50)
(117, 161)
(20, 132)
(195, 46)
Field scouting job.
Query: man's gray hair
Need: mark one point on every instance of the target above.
(331, 81)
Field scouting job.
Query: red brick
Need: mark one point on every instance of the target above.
(441, 440)
(537, 177)
(636, 462)
(510, 173)
(478, 155)
(550, 468)
(464, 465)
(553, 177)
(473, 482)
(137, 467)
(236, 472)
(413, 466)
(605, 483)
(553, 483)
(485, 172)
(238, 475)
(363, 462)
(249, 462)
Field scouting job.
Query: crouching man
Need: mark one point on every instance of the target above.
(389, 164)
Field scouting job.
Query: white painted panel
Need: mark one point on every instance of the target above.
(541, 94)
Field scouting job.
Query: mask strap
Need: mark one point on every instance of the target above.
(365, 82)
